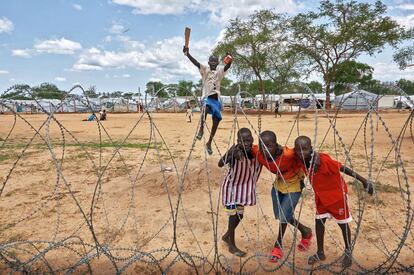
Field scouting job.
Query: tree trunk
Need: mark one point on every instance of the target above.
(328, 95)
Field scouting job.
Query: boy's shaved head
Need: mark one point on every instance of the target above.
(303, 141)
(269, 135)
(243, 131)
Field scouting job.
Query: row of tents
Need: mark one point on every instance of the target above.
(355, 100)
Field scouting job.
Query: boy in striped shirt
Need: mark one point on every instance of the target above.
(331, 195)
(239, 186)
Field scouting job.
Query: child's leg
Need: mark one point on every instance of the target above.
(282, 230)
(320, 235)
(202, 121)
(229, 237)
(213, 132)
(304, 230)
(346, 233)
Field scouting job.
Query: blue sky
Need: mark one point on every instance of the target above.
(123, 44)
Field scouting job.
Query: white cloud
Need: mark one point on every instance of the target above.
(77, 7)
(60, 78)
(406, 21)
(155, 7)
(4, 72)
(391, 72)
(406, 6)
(6, 25)
(57, 46)
(117, 29)
(126, 75)
(22, 53)
(220, 11)
(164, 58)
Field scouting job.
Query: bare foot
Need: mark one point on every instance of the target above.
(347, 260)
(236, 251)
(318, 257)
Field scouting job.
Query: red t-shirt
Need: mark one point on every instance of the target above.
(328, 184)
(287, 163)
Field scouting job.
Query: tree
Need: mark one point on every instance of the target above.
(406, 85)
(250, 41)
(184, 88)
(340, 31)
(48, 91)
(226, 87)
(405, 56)
(315, 86)
(156, 86)
(352, 72)
(20, 92)
(91, 92)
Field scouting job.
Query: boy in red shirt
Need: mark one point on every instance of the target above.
(287, 188)
(330, 195)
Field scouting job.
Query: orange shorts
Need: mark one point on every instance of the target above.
(338, 211)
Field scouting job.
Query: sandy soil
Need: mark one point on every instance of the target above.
(149, 175)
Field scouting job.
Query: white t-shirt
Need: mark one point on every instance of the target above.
(211, 80)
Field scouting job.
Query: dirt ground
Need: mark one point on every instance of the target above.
(141, 188)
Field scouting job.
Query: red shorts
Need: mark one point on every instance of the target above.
(338, 211)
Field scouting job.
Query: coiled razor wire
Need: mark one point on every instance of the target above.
(86, 245)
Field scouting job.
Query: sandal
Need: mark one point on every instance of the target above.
(276, 255)
(199, 135)
(305, 243)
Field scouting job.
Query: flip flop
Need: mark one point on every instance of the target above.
(199, 136)
(276, 255)
(305, 243)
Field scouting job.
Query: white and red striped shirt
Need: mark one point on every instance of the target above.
(239, 185)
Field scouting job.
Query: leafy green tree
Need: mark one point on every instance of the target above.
(184, 88)
(250, 42)
(91, 92)
(48, 91)
(153, 87)
(406, 85)
(340, 31)
(352, 72)
(405, 56)
(315, 86)
(20, 92)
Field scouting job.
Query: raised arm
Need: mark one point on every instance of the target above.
(367, 185)
(229, 63)
(186, 52)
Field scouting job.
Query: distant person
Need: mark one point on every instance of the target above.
(189, 112)
(331, 195)
(89, 118)
(102, 115)
(277, 109)
(239, 186)
(399, 105)
(211, 77)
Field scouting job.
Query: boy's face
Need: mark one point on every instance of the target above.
(245, 141)
(213, 62)
(303, 151)
(268, 147)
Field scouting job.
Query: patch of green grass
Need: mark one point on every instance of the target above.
(4, 157)
(391, 165)
(87, 144)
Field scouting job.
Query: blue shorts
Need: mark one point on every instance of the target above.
(284, 204)
(213, 107)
